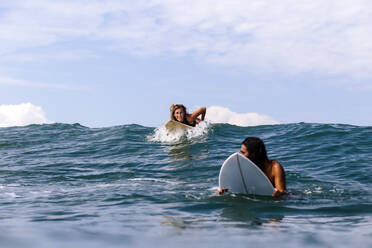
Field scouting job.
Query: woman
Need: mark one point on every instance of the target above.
(254, 149)
(178, 113)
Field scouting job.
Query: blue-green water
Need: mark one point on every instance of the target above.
(133, 186)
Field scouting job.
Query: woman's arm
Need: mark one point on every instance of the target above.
(201, 111)
(171, 108)
(279, 179)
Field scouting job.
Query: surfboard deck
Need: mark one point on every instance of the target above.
(240, 175)
(175, 125)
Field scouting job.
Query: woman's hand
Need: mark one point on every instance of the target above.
(221, 191)
(277, 192)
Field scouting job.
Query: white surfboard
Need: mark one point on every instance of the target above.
(175, 126)
(240, 175)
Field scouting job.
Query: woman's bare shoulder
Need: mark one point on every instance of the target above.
(276, 166)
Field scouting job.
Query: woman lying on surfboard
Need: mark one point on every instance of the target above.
(178, 113)
(254, 149)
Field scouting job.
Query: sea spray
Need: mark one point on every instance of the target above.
(161, 134)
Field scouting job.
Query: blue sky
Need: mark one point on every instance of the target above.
(104, 63)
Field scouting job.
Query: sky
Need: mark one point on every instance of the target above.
(105, 63)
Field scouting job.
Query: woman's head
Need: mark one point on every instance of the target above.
(254, 149)
(179, 113)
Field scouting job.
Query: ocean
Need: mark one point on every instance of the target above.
(67, 185)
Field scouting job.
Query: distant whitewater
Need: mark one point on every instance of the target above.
(21, 115)
(69, 185)
(218, 114)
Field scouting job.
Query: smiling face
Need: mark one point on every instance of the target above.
(179, 114)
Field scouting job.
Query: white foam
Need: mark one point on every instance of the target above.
(156, 180)
(11, 194)
(161, 134)
(217, 114)
(21, 115)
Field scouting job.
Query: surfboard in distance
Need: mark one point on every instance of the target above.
(240, 175)
(175, 125)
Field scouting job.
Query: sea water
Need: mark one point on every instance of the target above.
(67, 185)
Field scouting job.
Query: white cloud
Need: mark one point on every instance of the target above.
(331, 37)
(21, 115)
(217, 114)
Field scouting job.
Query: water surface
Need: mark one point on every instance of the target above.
(138, 186)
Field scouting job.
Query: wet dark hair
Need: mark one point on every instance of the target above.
(257, 151)
(178, 106)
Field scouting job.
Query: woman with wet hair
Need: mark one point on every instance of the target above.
(254, 149)
(178, 113)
